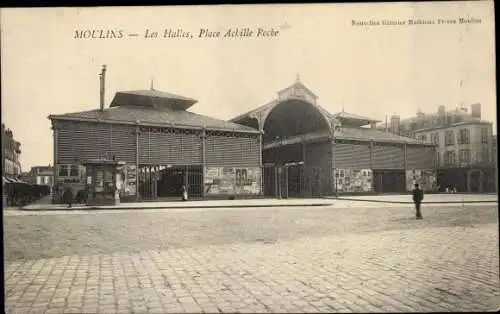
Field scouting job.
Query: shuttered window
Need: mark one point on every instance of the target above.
(352, 155)
(386, 156)
(232, 149)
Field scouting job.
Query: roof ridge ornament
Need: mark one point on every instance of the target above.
(297, 78)
(152, 83)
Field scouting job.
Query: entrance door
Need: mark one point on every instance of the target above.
(194, 177)
(316, 188)
(173, 178)
(270, 180)
(378, 181)
(475, 177)
(171, 181)
(283, 179)
(295, 180)
(389, 181)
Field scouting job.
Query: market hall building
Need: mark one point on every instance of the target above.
(158, 146)
(308, 151)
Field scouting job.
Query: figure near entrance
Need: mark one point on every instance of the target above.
(418, 197)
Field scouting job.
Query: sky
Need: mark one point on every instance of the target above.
(368, 70)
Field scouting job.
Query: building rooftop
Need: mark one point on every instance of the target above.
(299, 91)
(153, 108)
(351, 119)
(154, 117)
(349, 134)
(440, 119)
(152, 98)
(363, 134)
(351, 124)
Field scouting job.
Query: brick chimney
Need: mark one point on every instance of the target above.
(441, 110)
(420, 114)
(475, 111)
(395, 124)
(102, 78)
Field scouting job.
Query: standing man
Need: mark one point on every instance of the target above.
(418, 197)
(68, 195)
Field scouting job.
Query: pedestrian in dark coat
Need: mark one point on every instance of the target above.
(418, 197)
(68, 196)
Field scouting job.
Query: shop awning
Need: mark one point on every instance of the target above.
(13, 180)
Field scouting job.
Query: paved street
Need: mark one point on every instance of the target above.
(301, 259)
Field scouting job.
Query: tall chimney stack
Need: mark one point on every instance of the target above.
(475, 111)
(102, 78)
(395, 124)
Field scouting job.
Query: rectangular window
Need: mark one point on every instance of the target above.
(63, 171)
(464, 156)
(435, 138)
(449, 138)
(73, 171)
(484, 135)
(422, 138)
(464, 136)
(485, 155)
(449, 158)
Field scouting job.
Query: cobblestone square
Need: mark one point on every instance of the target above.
(307, 259)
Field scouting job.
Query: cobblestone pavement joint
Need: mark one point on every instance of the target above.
(433, 269)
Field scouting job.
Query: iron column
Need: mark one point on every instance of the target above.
(137, 132)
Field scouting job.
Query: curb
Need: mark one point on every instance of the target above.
(91, 208)
(407, 202)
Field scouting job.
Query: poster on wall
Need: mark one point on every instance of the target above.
(242, 177)
(130, 180)
(212, 175)
(248, 181)
(426, 179)
(227, 181)
(212, 180)
(354, 180)
(231, 181)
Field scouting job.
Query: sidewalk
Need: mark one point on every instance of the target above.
(44, 201)
(345, 201)
(428, 198)
(191, 204)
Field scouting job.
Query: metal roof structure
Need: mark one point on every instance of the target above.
(161, 117)
(351, 124)
(153, 108)
(152, 99)
(370, 134)
(353, 119)
(349, 134)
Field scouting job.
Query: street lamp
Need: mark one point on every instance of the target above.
(279, 168)
(333, 126)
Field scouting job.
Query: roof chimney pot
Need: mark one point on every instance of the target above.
(102, 77)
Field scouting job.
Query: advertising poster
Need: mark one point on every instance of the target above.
(354, 180)
(232, 181)
(426, 178)
(130, 180)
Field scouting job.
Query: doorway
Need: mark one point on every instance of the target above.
(389, 181)
(172, 179)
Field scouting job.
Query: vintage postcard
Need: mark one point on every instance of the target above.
(333, 157)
